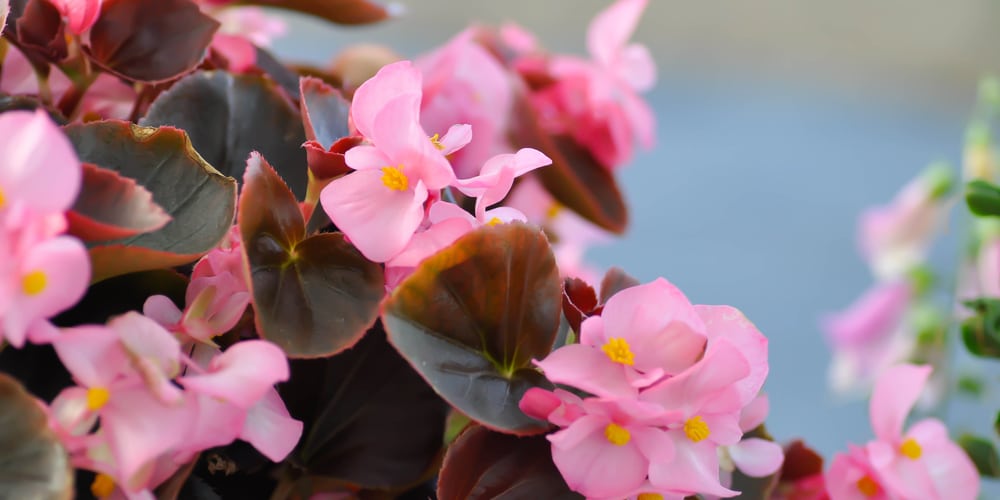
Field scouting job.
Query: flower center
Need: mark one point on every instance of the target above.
(696, 428)
(618, 351)
(33, 283)
(867, 486)
(617, 435)
(650, 496)
(553, 210)
(911, 449)
(394, 178)
(436, 141)
(97, 397)
(494, 221)
(103, 486)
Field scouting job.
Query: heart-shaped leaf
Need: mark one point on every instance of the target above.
(336, 11)
(472, 317)
(33, 464)
(483, 464)
(575, 178)
(227, 116)
(370, 420)
(983, 454)
(312, 296)
(150, 40)
(200, 200)
(110, 206)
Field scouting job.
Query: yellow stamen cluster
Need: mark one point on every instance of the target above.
(696, 429)
(618, 351)
(103, 486)
(97, 397)
(3, 199)
(650, 496)
(395, 179)
(33, 283)
(617, 435)
(436, 141)
(494, 221)
(553, 210)
(867, 486)
(911, 449)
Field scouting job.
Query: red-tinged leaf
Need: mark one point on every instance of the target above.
(329, 163)
(200, 200)
(482, 464)
(227, 116)
(111, 207)
(39, 29)
(575, 178)
(150, 40)
(615, 280)
(34, 463)
(472, 317)
(325, 112)
(579, 302)
(336, 11)
(800, 462)
(312, 296)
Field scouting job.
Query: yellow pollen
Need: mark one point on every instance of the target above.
(436, 141)
(394, 178)
(911, 448)
(97, 397)
(494, 221)
(617, 435)
(33, 283)
(650, 496)
(867, 486)
(3, 199)
(103, 486)
(553, 210)
(696, 428)
(618, 350)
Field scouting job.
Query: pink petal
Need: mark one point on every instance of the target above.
(504, 214)
(696, 387)
(641, 119)
(379, 220)
(871, 317)
(139, 428)
(950, 469)
(655, 444)
(635, 67)
(587, 369)
(270, 428)
(457, 137)
(366, 158)
(162, 310)
(900, 475)
(895, 394)
(845, 471)
(755, 413)
(694, 470)
(242, 374)
(539, 403)
(144, 338)
(593, 466)
(427, 243)
(238, 51)
(724, 322)
(81, 14)
(40, 167)
(611, 29)
(92, 354)
(398, 134)
(757, 457)
(393, 80)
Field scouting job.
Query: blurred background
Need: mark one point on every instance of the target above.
(779, 121)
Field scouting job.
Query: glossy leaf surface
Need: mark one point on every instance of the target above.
(111, 206)
(33, 464)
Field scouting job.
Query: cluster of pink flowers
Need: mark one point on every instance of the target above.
(919, 462)
(669, 388)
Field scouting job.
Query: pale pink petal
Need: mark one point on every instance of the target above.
(950, 470)
(611, 29)
(635, 66)
(270, 428)
(427, 243)
(366, 158)
(238, 51)
(504, 214)
(379, 220)
(871, 317)
(40, 167)
(729, 323)
(162, 310)
(895, 394)
(92, 354)
(393, 80)
(900, 475)
(694, 470)
(699, 385)
(587, 369)
(593, 466)
(242, 374)
(641, 119)
(754, 413)
(845, 471)
(724, 426)
(457, 137)
(139, 428)
(398, 134)
(251, 23)
(144, 338)
(70, 413)
(655, 444)
(757, 457)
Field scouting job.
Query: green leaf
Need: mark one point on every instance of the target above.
(575, 178)
(482, 464)
(996, 424)
(111, 206)
(981, 332)
(472, 317)
(227, 116)
(33, 463)
(312, 296)
(369, 419)
(335, 11)
(983, 454)
(150, 40)
(200, 200)
(983, 198)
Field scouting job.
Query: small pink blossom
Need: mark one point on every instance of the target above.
(80, 14)
(497, 176)
(40, 172)
(644, 333)
(753, 456)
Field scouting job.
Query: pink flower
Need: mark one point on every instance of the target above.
(868, 336)
(896, 237)
(852, 477)
(497, 177)
(242, 30)
(463, 83)
(40, 173)
(755, 457)
(644, 333)
(380, 205)
(80, 14)
(728, 323)
(607, 452)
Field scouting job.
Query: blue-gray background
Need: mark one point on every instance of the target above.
(779, 120)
